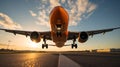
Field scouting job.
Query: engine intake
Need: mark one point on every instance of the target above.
(35, 37)
(83, 37)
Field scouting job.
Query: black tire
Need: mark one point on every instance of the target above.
(42, 46)
(72, 46)
(47, 46)
(76, 46)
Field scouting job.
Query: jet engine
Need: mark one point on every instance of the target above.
(35, 37)
(83, 37)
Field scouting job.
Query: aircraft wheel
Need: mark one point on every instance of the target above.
(42, 46)
(72, 46)
(76, 46)
(47, 46)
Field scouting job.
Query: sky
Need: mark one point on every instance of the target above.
(84, 15)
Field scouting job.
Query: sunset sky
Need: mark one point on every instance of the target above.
(84, 15)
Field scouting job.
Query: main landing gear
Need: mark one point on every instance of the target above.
(74, 45)
(44, 45)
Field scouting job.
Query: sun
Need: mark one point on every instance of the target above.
(32, 44)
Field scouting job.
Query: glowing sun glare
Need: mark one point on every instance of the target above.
(32, 44)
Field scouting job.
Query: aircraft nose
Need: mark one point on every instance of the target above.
(56, 9)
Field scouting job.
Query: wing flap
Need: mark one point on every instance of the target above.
(73, 35)
(94, 32)
(28, 33)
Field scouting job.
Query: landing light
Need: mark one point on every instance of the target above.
(58, 28)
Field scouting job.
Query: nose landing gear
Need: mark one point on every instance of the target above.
(59, 34)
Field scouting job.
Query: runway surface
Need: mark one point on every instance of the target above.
(59, 60)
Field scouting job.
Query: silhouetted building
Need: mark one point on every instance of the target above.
(114, 50)
(95, 50)
(106, 50)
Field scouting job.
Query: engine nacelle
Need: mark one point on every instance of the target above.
(35, 37)
(83, 37)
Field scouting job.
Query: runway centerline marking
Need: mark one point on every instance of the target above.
(64, 61)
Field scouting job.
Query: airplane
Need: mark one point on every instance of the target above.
(59, 34)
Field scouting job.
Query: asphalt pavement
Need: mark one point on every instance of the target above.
(58, 60)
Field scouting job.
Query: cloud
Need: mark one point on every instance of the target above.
(7, 22)
(77, 10)
(91, 7)
(54, 3)
(63, 1)
(32, 13)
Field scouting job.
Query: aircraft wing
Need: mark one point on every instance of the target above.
(90, 33)
(70, 36)
(94, 32)
(28, 33)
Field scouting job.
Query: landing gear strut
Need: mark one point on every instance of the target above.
(44, 45)
(74, 45)
(59, 34)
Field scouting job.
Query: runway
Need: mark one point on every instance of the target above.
(59, 60)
